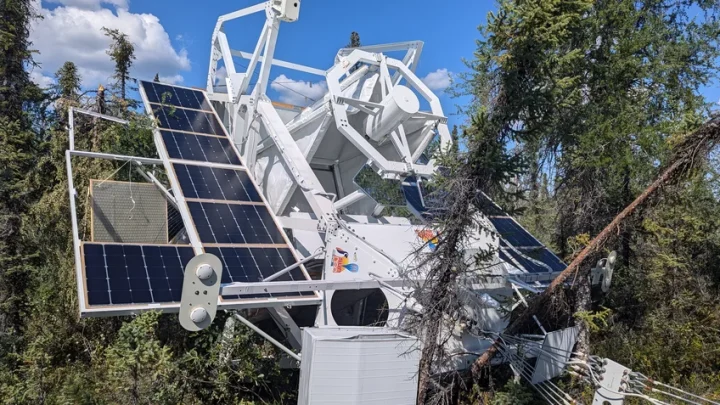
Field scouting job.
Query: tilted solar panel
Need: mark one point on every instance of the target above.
(226, 211)
(201, 148)
(120, 274)
(215, 183)
(517, 246)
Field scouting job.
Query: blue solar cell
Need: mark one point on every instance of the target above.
(118, 274)
(413, 194)
(488, 206)
(249, 265)
(234, 223)
(201, 148)
(180, 119)
(523, 258)
(176, 96)
(215, 183)
(513, 233)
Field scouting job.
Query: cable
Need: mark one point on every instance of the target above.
(654, 382)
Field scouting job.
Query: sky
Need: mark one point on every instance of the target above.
(172, 38)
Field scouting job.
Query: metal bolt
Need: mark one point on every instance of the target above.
(204, 271)
(198, 315)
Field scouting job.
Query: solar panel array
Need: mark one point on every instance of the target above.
(227, 211)
(517, 246)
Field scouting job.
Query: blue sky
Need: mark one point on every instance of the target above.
(448, 28)
(172, 38)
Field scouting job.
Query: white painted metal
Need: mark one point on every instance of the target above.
(611, 383)
(556, 349)
(377, 366)
(397, 107)
(201, 287)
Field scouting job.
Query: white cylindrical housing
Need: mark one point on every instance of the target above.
(399, 105)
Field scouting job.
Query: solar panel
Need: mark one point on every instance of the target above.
(119, 274)
(517, 246)
(215, 183)
(159, 93)
(201, 148)
(513, 233)
(413, 194)
(527, 259)
(226, 211)
(248, 265)
(234, 223)
(182, 119)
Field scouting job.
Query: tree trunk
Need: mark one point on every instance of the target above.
(582, 303)
(594, 246)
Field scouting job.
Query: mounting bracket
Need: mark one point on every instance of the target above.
(201, 288)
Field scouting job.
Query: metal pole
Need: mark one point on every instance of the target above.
(76, 234)
(71, 129)
(289, 268)
(149, 177)
(109, 156)
(266, 336)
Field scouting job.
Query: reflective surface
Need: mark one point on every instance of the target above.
(134, 274)
(178, 96)
(234, 223)
(215, 183)
(200, 148)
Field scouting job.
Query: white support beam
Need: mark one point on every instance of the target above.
(287, 326)
(242, 13)
(350, 199)
(268, 337)
(279, 287)
(282, 63)
(109, 156)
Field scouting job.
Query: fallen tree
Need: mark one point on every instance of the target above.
(688, 155)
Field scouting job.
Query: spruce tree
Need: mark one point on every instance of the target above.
(122, 52)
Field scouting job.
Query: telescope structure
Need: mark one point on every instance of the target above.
(308, 215)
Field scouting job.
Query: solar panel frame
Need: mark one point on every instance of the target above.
(213, 128)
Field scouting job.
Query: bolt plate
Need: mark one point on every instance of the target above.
(198, 293)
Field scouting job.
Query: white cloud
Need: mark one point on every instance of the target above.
(438, 80)
(298, 92)
(73, 32)
(175, 79)
(40, 79)
(91, 4)
(220, 76)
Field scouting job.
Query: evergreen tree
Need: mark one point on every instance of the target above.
(18, 150)
(122, 52)
(68, 81)
(595, 97)
(354, 40)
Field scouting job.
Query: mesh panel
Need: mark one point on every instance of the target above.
(126, 212)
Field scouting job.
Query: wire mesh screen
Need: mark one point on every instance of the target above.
(128, 212)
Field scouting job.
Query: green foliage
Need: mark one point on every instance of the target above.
(592, 94)
(595, 320)
(68, 81)
(514, 394)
